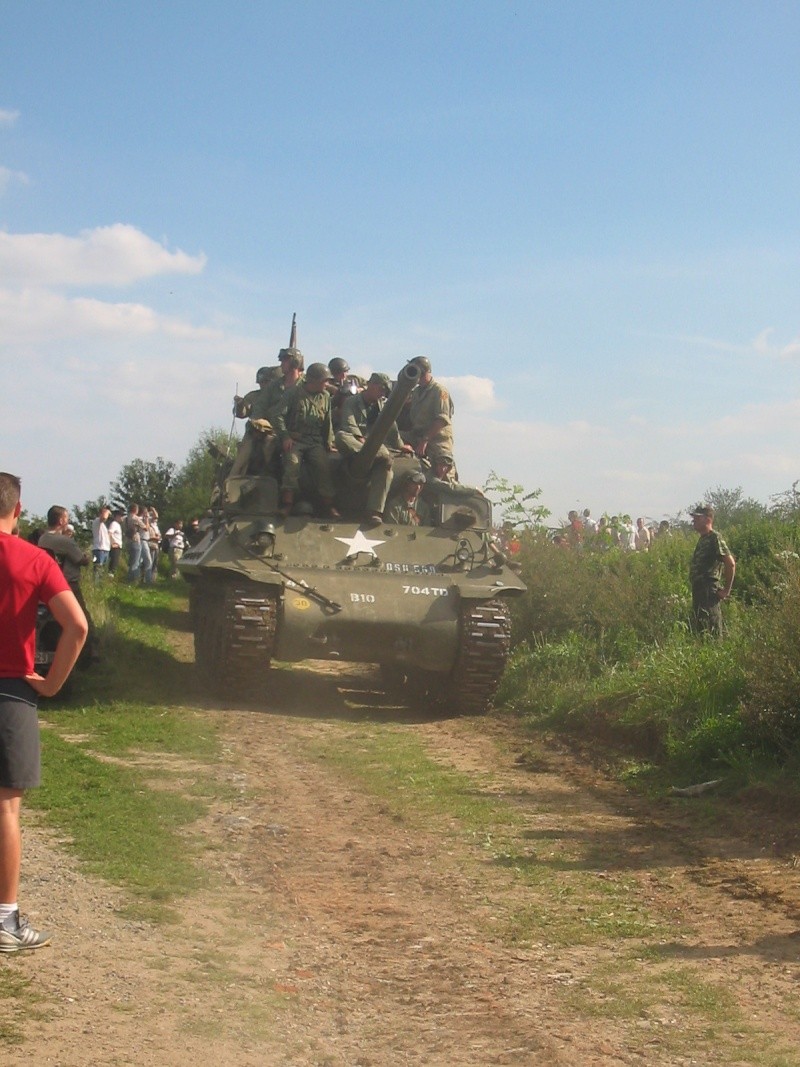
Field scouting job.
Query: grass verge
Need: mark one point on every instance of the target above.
(107, 762)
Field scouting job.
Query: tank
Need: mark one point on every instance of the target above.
(427, 603)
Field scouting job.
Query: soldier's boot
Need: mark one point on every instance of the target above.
(329, 510)
(287, 502)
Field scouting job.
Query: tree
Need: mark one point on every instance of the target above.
(786, 505)
(144, 482)
(28, 522)
(518, 508)
(84, 516)
(192, 485)
(731, 508)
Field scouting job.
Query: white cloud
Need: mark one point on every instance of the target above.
(476, 393)
(115, 255)
(8, 116)
(757, 419)
(8, 176)
(38, 316)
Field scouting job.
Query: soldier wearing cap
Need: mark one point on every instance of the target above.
(711, 563)
(359, 413)
(407, 509)
(303, 423)
(430, 415)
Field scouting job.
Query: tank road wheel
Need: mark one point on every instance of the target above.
(485, 642)
(393, 678)
(234, 636)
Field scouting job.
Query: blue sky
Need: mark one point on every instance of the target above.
(585, 214)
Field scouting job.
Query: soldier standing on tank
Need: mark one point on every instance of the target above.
(430, 415)
(359, 413)
(305, 428)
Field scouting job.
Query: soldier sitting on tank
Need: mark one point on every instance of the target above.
(342, 386)
(304, 426)
(442, 475)
(259, 444)
(359, 413)
(407, 507)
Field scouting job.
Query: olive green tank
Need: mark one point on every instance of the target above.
(427, 603)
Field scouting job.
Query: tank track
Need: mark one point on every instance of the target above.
(234, 635)
(485, 642)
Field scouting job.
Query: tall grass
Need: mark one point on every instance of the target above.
(604, 650)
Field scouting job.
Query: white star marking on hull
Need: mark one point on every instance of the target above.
(359, 543)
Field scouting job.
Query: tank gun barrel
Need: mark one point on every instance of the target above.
(361, 462)
(293, 332)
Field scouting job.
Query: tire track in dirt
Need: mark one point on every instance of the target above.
(335, 934)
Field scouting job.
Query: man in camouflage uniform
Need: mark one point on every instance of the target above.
(359, 413)
(304, 426)
(430, 415)
(712, 561)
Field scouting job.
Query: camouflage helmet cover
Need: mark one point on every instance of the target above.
(263, 374)
(291, 357)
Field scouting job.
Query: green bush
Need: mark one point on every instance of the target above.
(771, 705)
(603, 649)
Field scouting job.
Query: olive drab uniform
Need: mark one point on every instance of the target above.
(263, 406)
(705, 573)
(428, 403)
(305, 418)
(404, 514)
(357, 419)
(253, 439)
(341, 394)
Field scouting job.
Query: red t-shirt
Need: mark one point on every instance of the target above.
(28, 576)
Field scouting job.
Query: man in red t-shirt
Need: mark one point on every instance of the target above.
(28, 576)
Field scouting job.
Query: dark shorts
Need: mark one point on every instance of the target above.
(20, 764)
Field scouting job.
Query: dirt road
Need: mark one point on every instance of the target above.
(577, 926)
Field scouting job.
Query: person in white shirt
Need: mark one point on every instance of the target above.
(177, 543)
(115, 542)
(101, 541)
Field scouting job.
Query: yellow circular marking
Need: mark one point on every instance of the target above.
(302, 604)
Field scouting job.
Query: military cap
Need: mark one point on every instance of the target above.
(381, 379)
(318, 372)
(423, 363)
(703, 509)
